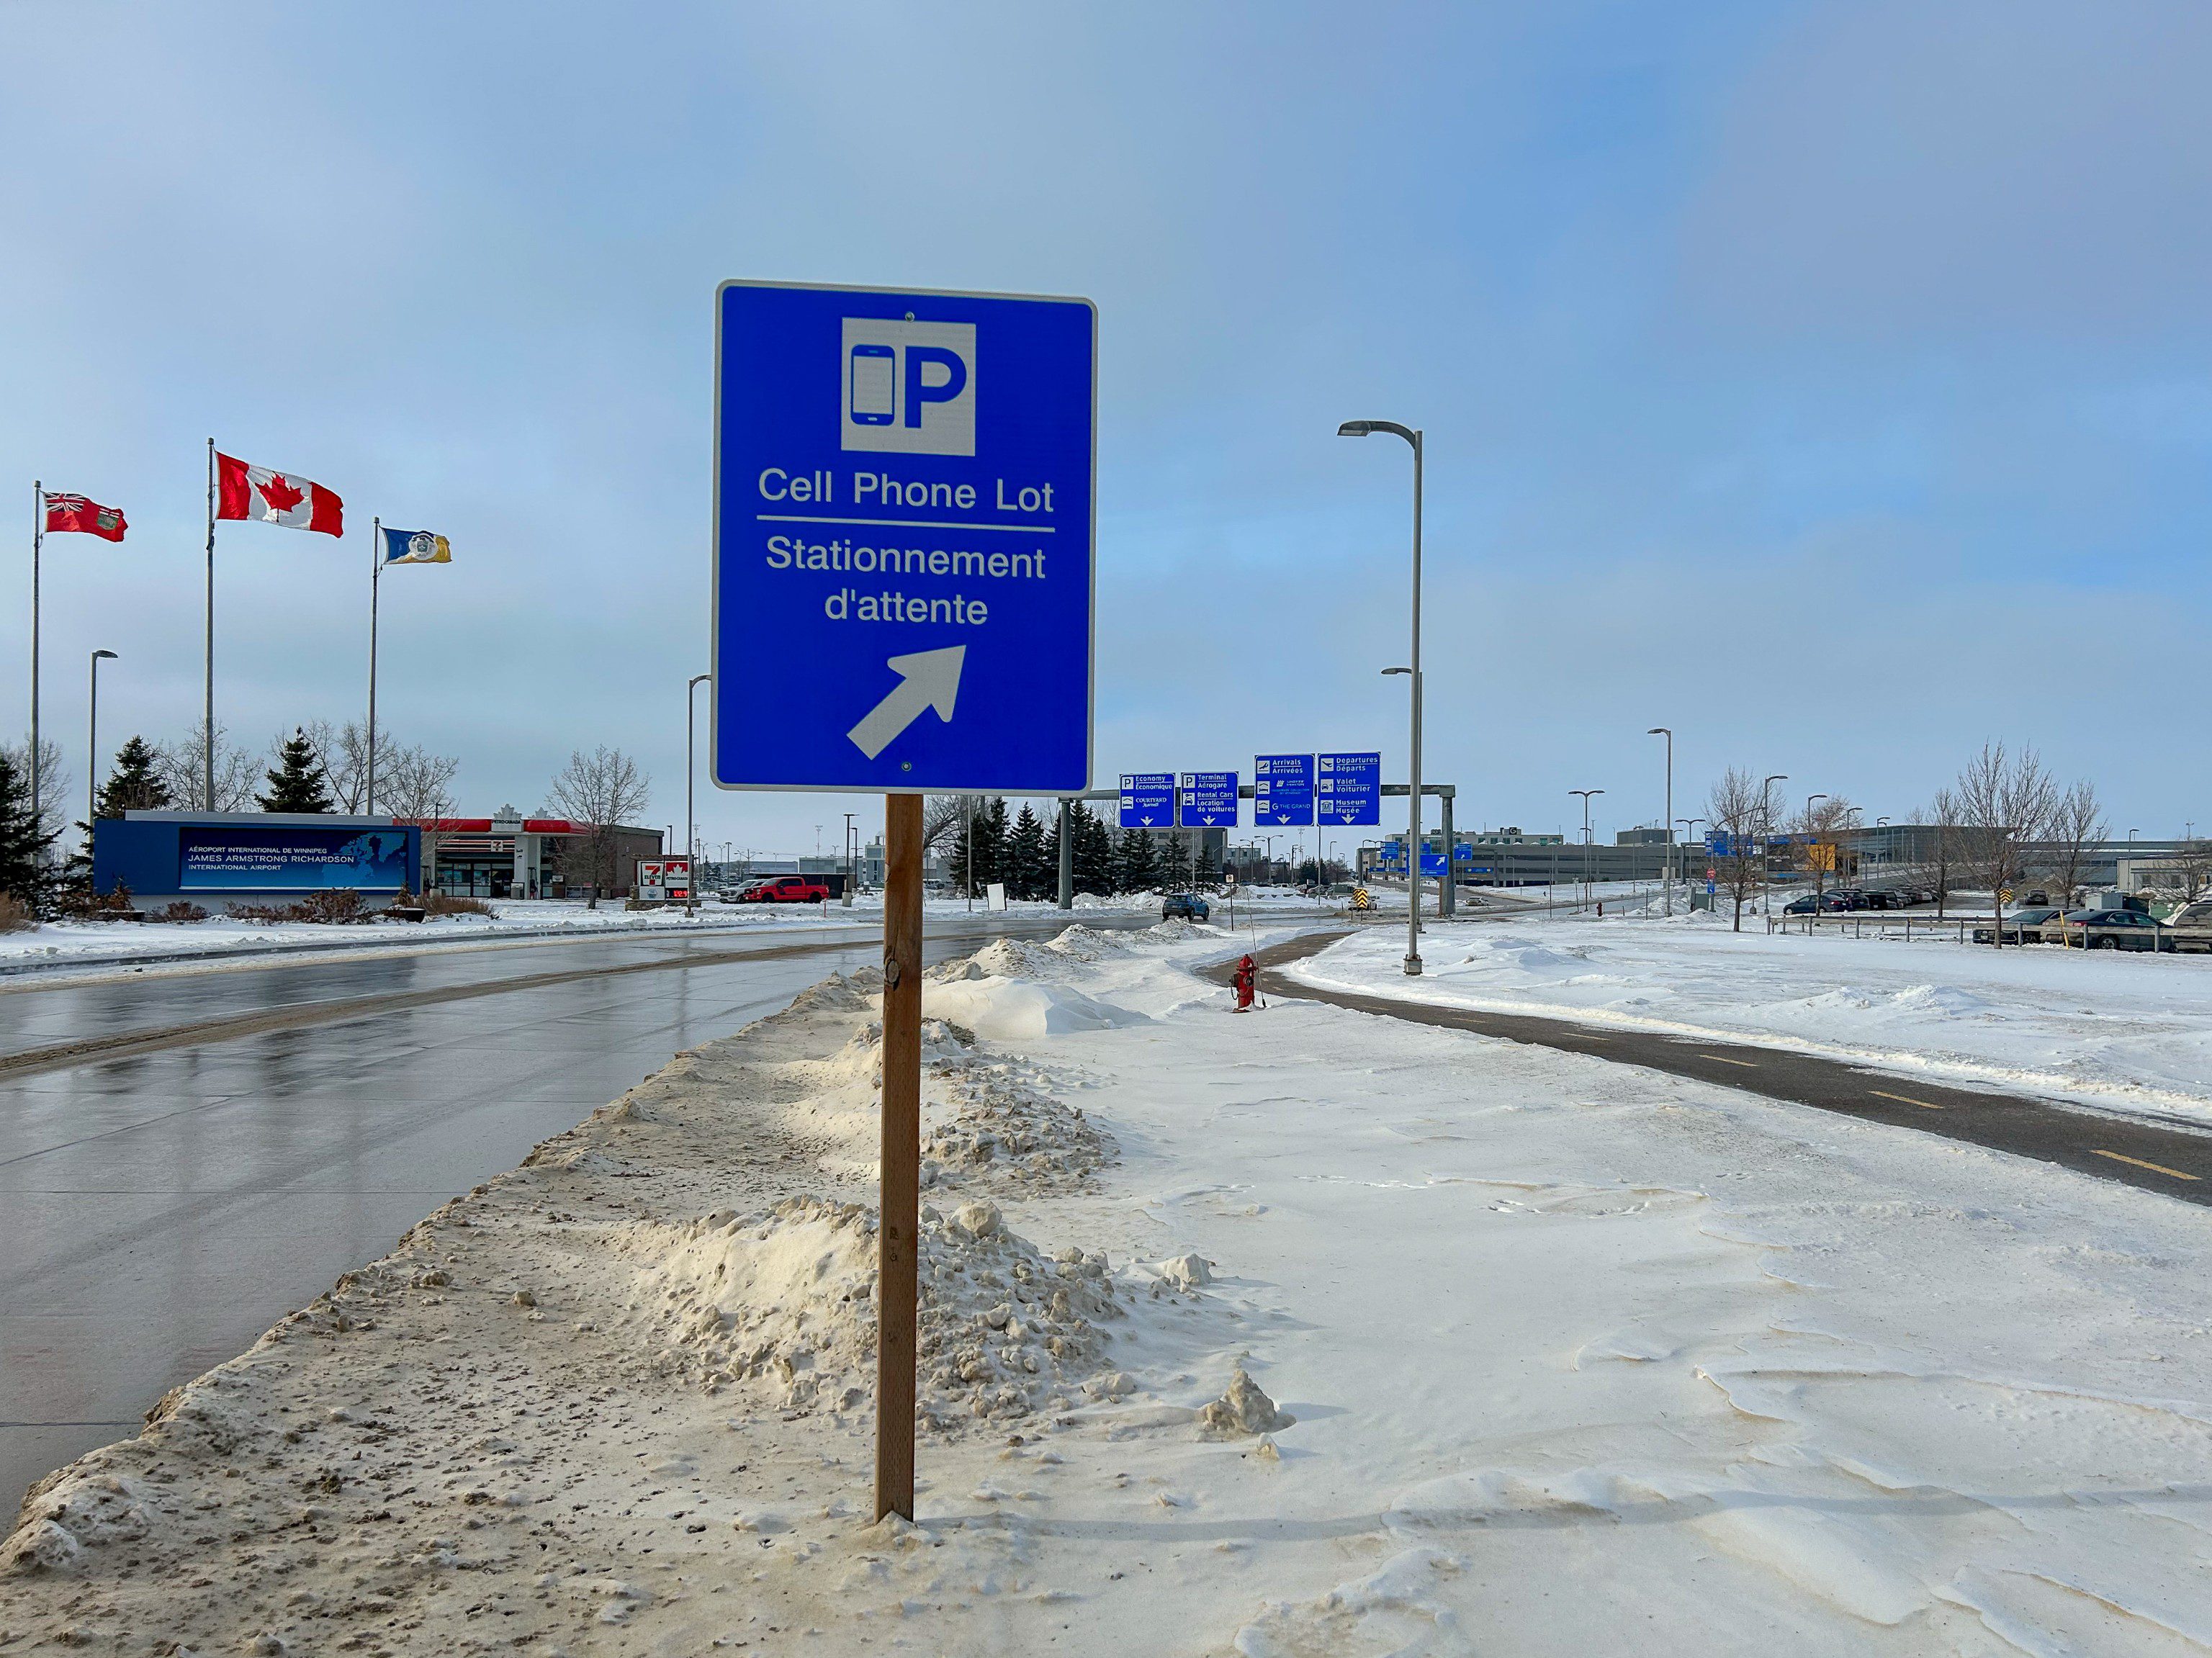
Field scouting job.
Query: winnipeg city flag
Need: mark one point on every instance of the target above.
(415, 546)
(244, 491)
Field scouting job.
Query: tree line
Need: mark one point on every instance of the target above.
(2006, 823)
(982, 845)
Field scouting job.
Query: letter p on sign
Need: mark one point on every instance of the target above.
(909, 387)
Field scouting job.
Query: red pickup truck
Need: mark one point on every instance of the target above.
(786, 890)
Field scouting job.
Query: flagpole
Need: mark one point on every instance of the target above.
(375, 576)
(38, 544)
(208, 753)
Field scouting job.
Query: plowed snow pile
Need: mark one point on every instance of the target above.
(786, 1301)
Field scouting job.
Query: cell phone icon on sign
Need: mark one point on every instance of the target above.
(873, 391)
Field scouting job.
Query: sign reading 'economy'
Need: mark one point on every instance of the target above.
(903, 540)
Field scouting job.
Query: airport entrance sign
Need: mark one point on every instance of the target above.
(903, 540)
(1282, 790)
(1209, 799)
(1148, 799)
(1349, 789)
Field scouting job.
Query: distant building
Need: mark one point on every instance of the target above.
(521, 857)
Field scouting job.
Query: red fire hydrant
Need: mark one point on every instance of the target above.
(1242, 979)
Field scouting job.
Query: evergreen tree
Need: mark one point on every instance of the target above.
(1094, 852)
(1025, 867)
(135, 783)
(990, 849)
(22, 843)
(1135, 867)
(296, 784)
(1175, 863)
(1050, 855)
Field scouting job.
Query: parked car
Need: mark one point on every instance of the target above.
(786, 890)
(2190, 927)
(2106, 929)
(1188, 904)
(1802, 906)
(2022, 927)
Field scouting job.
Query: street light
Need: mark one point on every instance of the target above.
(1360, 428)
(849, 817)
(1765, 852)
(1665, 732)
(690, 823)
(1809, 799)
(1586, 794)
(1690, 827)
(92, 747)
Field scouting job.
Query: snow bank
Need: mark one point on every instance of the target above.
(2124, 1032)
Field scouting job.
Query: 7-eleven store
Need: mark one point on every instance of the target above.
(523, 857)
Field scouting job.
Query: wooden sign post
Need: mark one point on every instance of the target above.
(898, 1240)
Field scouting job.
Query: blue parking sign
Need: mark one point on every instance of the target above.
(1147, 799)
(1282, 790)
(1348, 789)
(1209, 799)
(904, 509)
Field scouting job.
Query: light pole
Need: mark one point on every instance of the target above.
(1586, 794)
(1666, 732)
(1690, 829)
(92, 748)
(1809, 799)
(1360, 428)
(1766, 834)
(849, 817)
(690, 823)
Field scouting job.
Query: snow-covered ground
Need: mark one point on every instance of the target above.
(1577, 1358)
(2125, 1032)
(92, 943)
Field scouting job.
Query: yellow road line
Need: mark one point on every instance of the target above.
(1725, 1060)
(2155, 1167)
(1907, 1099)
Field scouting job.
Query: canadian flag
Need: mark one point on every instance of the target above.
(243, 491)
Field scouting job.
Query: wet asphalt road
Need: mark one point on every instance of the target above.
(161, 1206)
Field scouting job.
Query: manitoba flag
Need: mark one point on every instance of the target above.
(243, 491)
(76, 512)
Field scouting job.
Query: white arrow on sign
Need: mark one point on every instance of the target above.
(928, 679)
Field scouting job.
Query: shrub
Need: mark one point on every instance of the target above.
(178, 910)
(453, 904)
(82, 903)
(263, 913)
(16, 916)
(331, 907)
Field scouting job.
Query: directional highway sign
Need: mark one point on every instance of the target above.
(903, 540)
(1282, 790)
(1148, 799)
(1350, 788)
(1209, 799)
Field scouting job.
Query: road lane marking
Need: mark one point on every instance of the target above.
(2155, 1167)
(1929, 1105)
(1725, 1060)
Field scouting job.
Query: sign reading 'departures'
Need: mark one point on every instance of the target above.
(1147, 799)
(1349, 789)
(1209, 799)
(1282, 790)
(903, 540)
(288, 859)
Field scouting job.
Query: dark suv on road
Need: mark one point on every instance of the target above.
(1187, 905)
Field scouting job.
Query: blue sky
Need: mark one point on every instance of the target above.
(1829, 383)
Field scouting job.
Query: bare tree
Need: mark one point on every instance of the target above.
(941, 816)
(2190, 865)
(1737, 809)
(344, 751)
(183, 768)
(413, 783)
(2077, 821)
(55, 789)
(1824, 823)
(603, 789)
(2005, 802)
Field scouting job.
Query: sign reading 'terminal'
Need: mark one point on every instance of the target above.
(903, 540)
(1209, 799)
